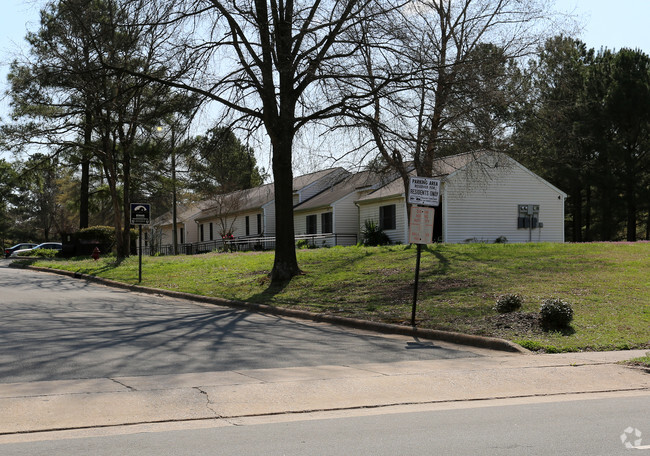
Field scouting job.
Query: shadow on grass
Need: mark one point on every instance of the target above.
(443, 261)
(266, 296)
(108, 266)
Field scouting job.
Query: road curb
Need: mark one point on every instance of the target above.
(492, 343)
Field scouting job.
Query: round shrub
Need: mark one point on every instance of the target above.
(508, 303)
(556, 313)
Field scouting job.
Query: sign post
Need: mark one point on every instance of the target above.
(140, 215)
(424, 191)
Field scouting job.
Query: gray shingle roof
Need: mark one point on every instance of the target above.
(442, 167)
(351, 183)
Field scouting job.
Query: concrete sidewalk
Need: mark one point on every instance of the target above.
(104, 402)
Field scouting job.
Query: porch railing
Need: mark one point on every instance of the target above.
(248, 243)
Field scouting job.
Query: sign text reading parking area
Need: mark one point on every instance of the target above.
(424, 191)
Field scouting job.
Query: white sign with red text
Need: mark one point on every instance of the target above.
(421, 226)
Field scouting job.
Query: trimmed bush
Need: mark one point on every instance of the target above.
(40, 253)
(102, 234)
(556, 313)
(508, 303)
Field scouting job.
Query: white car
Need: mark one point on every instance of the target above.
(24, 245)
(45, 245)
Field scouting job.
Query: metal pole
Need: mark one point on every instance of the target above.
(140, 255)
(415, 287)
(174, 227)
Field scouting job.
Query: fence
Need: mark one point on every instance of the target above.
(250, 243)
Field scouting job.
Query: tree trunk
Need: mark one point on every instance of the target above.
(126, 204)
(630, 196)
(285, 265)
(84, 218)
(577, 212)
(117, 216)
(607, 222)
(110, 170)
(84, 190)
(588, 235)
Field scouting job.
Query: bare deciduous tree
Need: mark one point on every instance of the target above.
(268, 62)
(447, 78)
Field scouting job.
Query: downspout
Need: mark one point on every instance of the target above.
(444, 212)
(334, 230)
(406, 220)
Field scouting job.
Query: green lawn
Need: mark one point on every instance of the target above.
(608, 285)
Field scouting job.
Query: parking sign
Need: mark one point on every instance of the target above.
(424, 191)
(140, 213)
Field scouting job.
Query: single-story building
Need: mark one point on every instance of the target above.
(484, 197)
(249, 215)
(158, 236)
(332, 217)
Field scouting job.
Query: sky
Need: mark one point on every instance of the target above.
(605, 23)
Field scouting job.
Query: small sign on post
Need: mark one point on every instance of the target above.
(421, 226)
(423, 191)
(140, 215)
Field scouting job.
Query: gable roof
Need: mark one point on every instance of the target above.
(254, 199)
(442, 167)
(340, 189)
(183, 212)
(239, 201)
(300, 182)
(447, 167)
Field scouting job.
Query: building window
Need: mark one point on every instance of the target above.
(387, 217)
(312, 221)
(259, 223)
(211, 231)
(326, 222)
(201, 232)
(182, 235)
(248, 225)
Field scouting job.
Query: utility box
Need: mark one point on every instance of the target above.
(528, 216)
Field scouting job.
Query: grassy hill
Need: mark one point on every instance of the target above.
(608, 285)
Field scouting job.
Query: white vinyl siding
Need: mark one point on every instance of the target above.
(346, 220)
(301, 228)
(487, 208)
(268, 219)
(236, 224)
(370, 211)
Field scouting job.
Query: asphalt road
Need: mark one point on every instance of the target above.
(53, 327)
(582, 427)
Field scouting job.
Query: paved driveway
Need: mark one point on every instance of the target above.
(54, 327)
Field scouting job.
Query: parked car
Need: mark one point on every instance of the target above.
(44, 245)
(22, 246)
